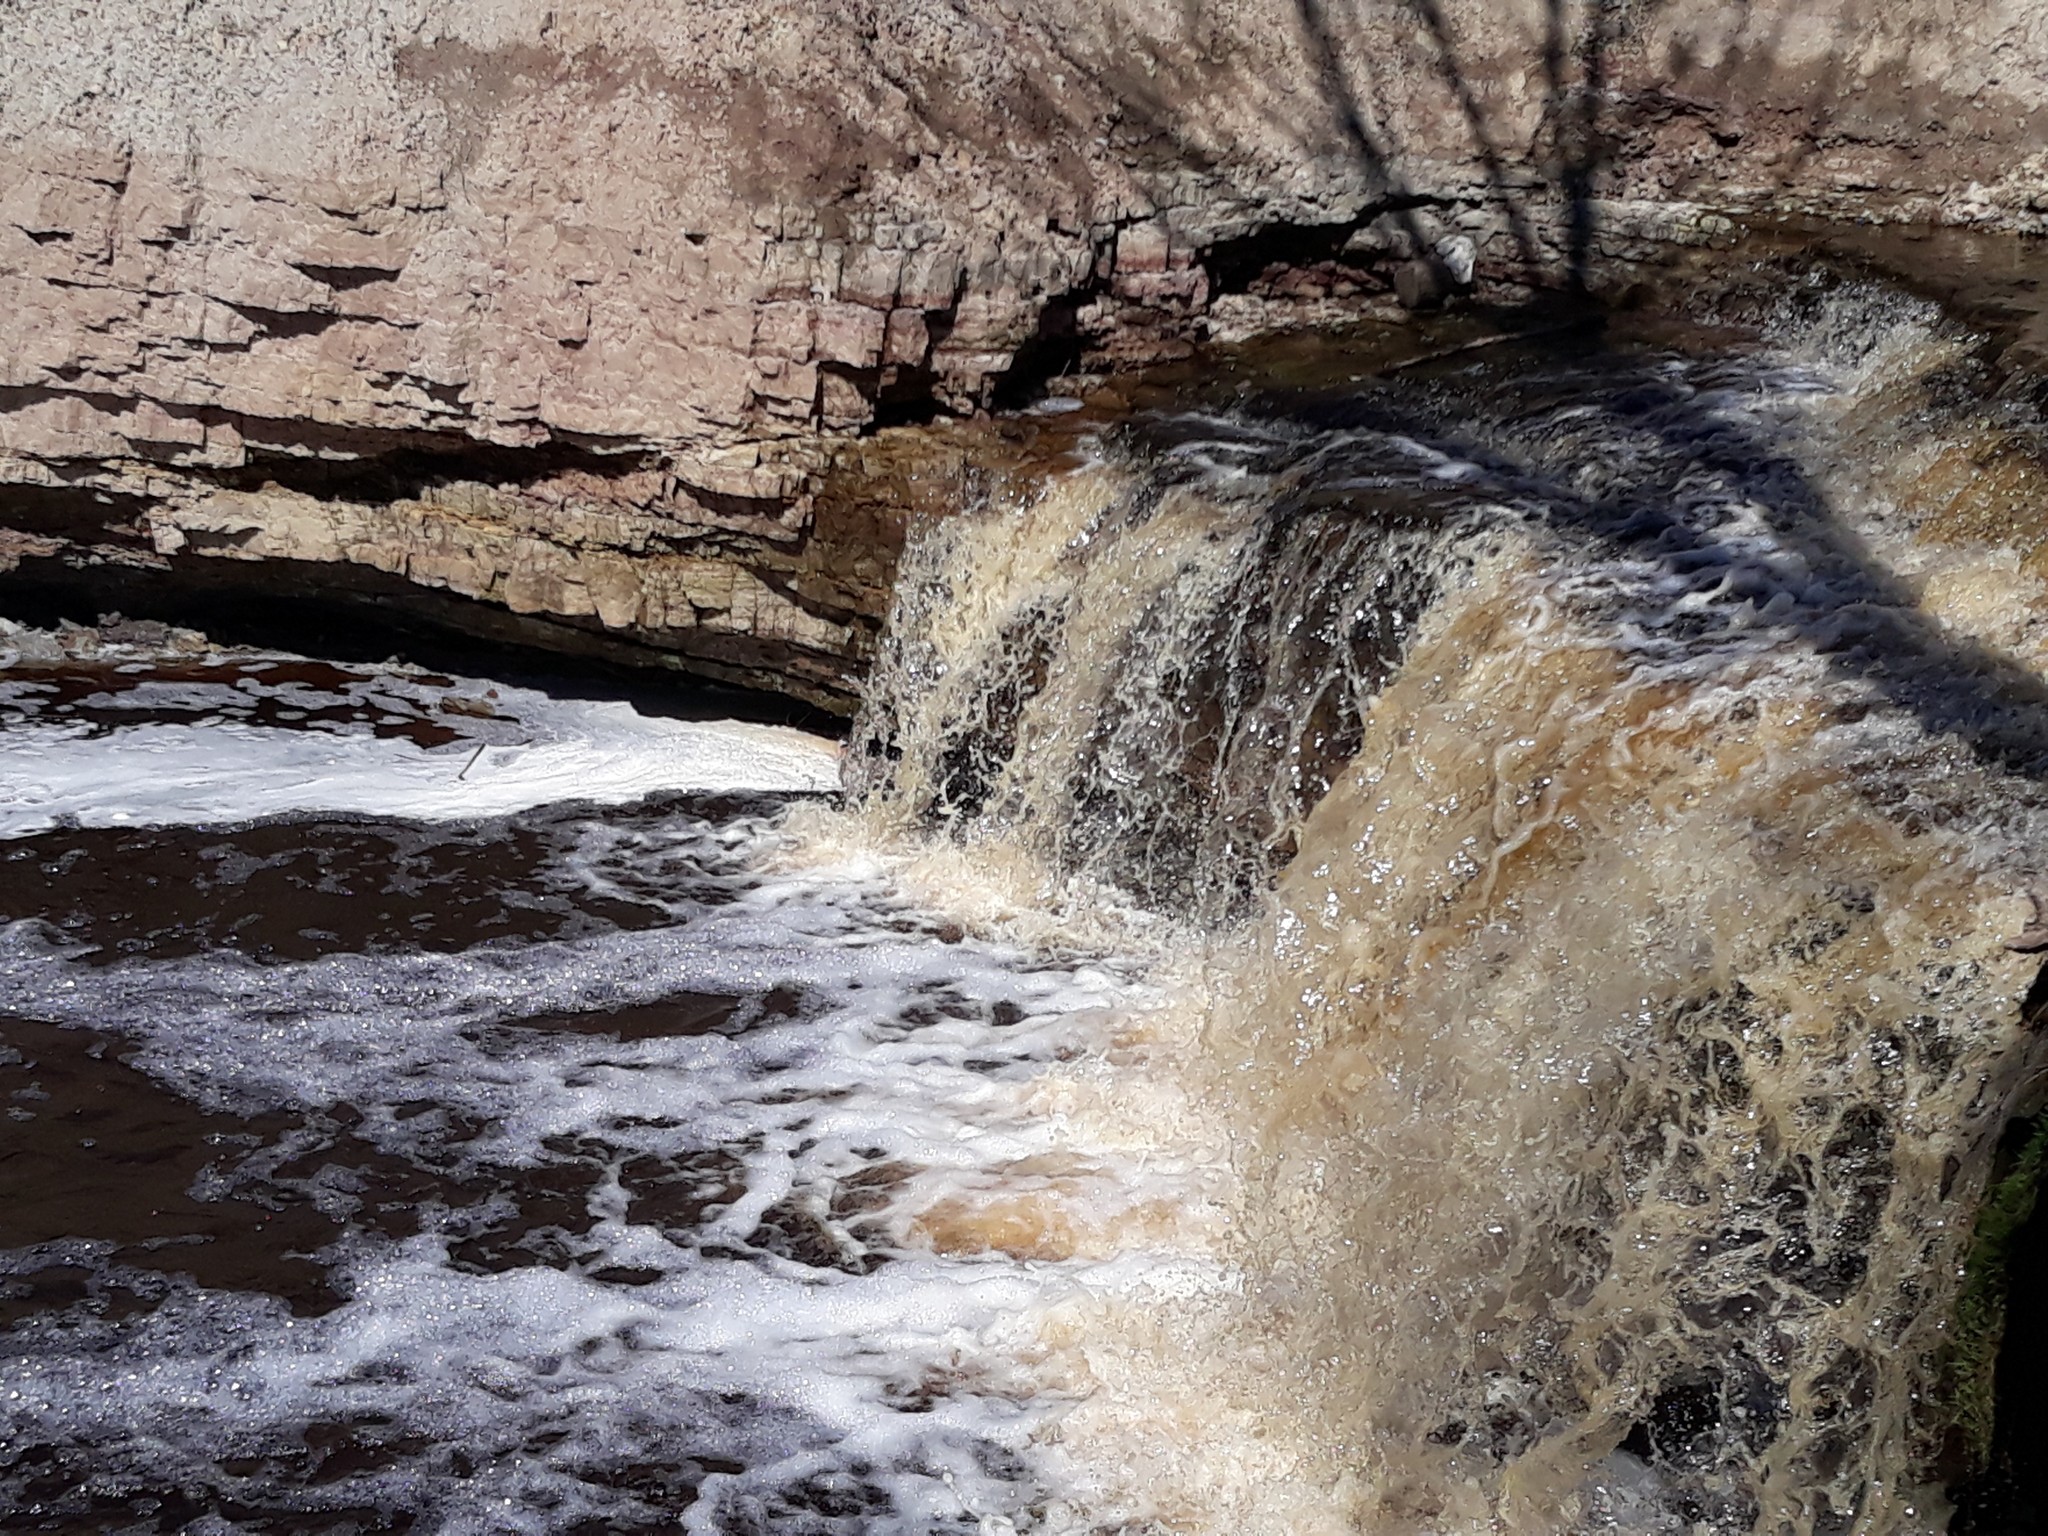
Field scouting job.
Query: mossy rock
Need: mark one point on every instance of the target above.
(1970, 1367)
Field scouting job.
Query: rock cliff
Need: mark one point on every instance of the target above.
(595, 313)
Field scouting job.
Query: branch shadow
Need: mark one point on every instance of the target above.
(1854, 610)
(1596, 118)
(1571, 119)
(1818, 584)
(1374, 155)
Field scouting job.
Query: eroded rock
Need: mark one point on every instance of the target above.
(571, 309)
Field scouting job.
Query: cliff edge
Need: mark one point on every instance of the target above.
(584, 312)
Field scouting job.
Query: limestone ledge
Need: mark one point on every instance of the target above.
(574, 310)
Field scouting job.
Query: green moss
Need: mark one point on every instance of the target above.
(1972, 1364)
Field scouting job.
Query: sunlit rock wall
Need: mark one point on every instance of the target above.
(573, 309)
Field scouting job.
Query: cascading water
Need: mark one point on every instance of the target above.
(1586, 799)
(1420, 955)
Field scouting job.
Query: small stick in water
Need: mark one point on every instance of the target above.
(1500, 339)
(479, 752)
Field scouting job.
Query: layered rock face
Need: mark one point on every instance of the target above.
(602, 314)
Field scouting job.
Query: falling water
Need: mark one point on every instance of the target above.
(1418, 953)
(1586, 798)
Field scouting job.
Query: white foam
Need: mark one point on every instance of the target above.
(496, 1362)
(549, 750)
(901, 1049)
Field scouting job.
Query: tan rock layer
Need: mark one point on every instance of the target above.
(695, 243)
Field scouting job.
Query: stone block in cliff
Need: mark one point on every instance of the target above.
(154, 427)
(932, 279)
(872, 276)
(907, 342)
(1184, 291)
(849, 333)
(57, 426)
(842, 403)
(785, 329)
(1143, 248)
(784, 388)
(614, 587)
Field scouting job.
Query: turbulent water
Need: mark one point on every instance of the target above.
(1422, 953)
(547, 1170)
(1595, 790)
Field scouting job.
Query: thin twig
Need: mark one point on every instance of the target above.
(1484, 341)
(479, 752)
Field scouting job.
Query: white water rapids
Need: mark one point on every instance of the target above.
(1423, 958)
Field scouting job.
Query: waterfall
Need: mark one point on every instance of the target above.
(1589, 795)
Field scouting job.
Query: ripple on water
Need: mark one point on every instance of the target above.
(552, 1172)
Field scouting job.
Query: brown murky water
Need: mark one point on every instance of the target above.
(1608, 773)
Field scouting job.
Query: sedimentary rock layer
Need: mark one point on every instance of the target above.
(576, 309)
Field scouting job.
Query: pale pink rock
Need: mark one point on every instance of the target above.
(703, 242)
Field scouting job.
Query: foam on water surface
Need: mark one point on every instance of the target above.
(703, 1225)
(721, 1200)
(254, 743)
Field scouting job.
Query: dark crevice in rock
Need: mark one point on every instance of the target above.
(284, 324)
(347, 279)
(586, 496)
(417, 465)
(1275, 258)
(724, 504)
(910, 399)
(67, 511)
(354, 614)
(1236, 265)
(1055, 348)
(22, 397)
(296, 439)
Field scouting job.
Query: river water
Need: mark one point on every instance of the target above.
(1403, 950)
